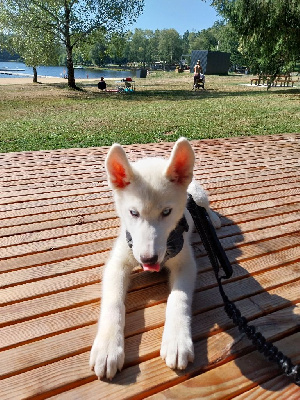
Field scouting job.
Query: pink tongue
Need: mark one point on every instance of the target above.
(151, 267)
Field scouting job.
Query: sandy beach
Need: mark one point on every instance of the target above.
(46, 80)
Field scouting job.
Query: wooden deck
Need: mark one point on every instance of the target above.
(57, 225)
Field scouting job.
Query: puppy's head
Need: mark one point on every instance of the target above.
(150, 197)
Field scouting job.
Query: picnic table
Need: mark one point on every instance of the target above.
(283, 80)
(57, 227)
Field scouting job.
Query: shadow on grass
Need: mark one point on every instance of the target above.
(175, 95)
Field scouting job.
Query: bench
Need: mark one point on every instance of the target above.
(283, 80)
(256, 80)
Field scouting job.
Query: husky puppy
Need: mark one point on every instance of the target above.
(150, 197)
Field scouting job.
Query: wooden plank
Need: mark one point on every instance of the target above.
(88, 274)
(41, 194)
(23, 187)
(215, 181)
(82, 218)
(203, 301)
(86, 180)
(43, 208)
(259, 224)
(78, 217)
(210, 298)
(246, 208)
(71, 342)
(101, 222)
(80, 261)
(14, 241)
(261, 213)
(49, 245)
(152, 376)
(211, 149)
(96, 169)
(40, 203)
(54, 269)
(257, 198)
(210, 160)
(261, 190)
(43, 245)
(50, 285)
(277, 178)
(278, 388)
(234, 377)
(53, 254)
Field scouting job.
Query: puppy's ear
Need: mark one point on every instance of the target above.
(118, 169)
(181, 163)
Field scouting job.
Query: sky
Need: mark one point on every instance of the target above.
(182, 15)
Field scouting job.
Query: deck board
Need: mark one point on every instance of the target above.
(57, 226)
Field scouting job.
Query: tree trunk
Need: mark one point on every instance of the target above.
(70, 68)
(69, 48)
(34, 75)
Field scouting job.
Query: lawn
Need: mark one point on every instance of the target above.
(163, 108)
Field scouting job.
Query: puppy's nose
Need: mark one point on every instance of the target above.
(149, 260)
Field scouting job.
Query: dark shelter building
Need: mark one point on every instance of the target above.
(212, 62)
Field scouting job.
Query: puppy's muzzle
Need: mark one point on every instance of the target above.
(149, 260)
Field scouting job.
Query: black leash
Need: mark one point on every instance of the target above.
(218, 259)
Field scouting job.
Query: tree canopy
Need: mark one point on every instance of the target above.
(42, 24)
(268, 30)
(145, 47)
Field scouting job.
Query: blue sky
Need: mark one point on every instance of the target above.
(182, 15)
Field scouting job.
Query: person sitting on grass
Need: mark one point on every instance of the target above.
(102, 84)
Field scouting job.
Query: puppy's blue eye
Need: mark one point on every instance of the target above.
(134, 213)
(166, 212)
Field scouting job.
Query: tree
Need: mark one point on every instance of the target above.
(268, 30)
(70, 22)
(5, 55)
(44, 50)
(228, 41)
(185, 42)
(203, 40)
(41, 49)
(116, 47)
(141, 46)
(170, 46)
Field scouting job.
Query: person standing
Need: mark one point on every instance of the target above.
(197, 71)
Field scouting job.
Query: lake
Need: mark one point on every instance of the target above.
(11, 69)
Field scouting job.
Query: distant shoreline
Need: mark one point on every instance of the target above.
(45, 80)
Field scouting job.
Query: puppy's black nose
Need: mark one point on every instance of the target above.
(149, 260)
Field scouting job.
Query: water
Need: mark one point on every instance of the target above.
(8, 69)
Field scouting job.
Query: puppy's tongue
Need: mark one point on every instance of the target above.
(151, 267)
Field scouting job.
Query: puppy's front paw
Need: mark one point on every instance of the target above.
(177, 349)
(107, 355)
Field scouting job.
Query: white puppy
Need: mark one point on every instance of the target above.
(150, 197)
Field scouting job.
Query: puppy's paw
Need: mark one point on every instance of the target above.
(107, 355)
(177, 349)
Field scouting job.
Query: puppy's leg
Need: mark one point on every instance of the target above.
(107, 354)
(177, 346)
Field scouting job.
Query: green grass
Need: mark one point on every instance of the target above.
(163, 108)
